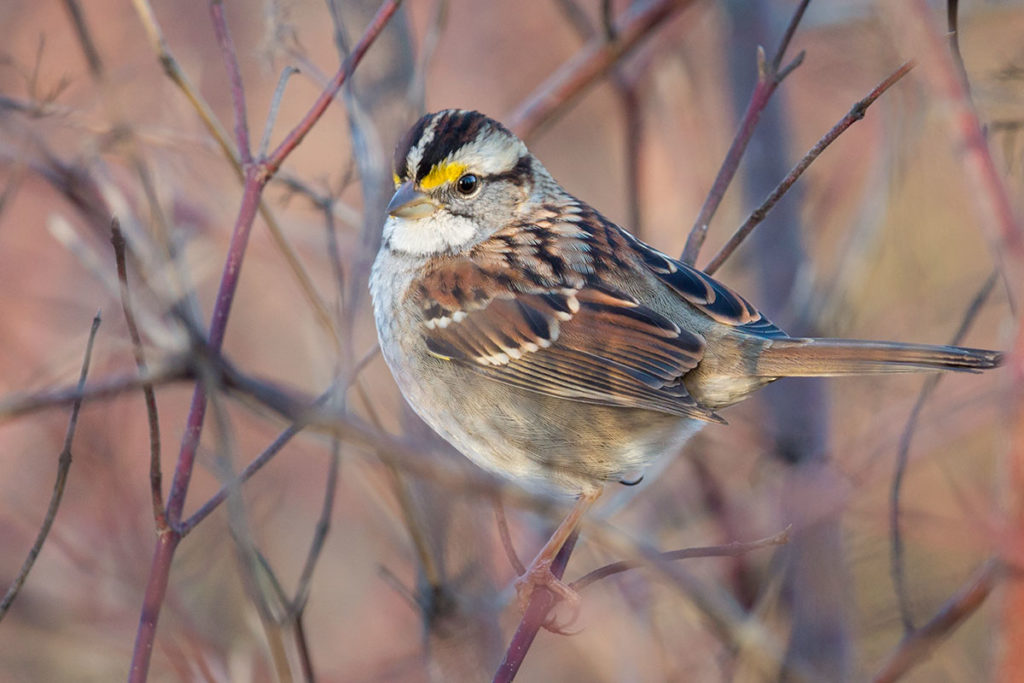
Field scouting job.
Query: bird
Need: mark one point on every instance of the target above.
(553, 347)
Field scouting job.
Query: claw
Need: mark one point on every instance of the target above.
(539, 575)
(562, 629)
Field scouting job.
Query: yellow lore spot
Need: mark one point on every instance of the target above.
(398, 181)
(444, 172)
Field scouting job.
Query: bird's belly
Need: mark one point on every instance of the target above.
(544, 442)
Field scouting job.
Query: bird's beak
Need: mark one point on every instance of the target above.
(408, 202)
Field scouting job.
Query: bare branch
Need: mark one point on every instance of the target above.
(275, 105)
(588, 65)
(149, 395)
(92, 55)
(230, 57)
(252, 468)
(292, 140)
(984, 183)
(728, 550)
(506, 538)
(769, 76)
(917, 645)
(63, 466)
(16, 405)
(855, 114)
(323, 526)
(952, 24)
(897, 567)
(223, 140)
(628, 91)
(542, 601)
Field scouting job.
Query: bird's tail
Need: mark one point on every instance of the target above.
(803, 357)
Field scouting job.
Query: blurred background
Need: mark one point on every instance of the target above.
(877, 240)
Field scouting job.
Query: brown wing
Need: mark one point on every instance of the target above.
(548, 329)
(697, 288)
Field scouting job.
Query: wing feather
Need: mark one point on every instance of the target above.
(589, 344)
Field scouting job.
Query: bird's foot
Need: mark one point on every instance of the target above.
(539, 575)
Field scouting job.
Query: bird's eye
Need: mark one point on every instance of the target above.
(467, 184)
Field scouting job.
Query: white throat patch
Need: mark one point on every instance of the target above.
(439, 233)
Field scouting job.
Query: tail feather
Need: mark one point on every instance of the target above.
(804, 357)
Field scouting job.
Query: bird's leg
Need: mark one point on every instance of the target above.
(539, 572)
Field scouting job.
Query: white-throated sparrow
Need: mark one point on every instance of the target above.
(550, 345)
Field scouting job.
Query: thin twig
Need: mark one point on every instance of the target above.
(262, 585)
(728, 550)
(323, 527)
(334, 253)
(302, 643)
(297, 605)
(433, 572)
(230, 57)
(223, 140)
(275, 106)
(726, 617)
(256, 177)
(627, 89)
(588, 65)
(787, 38)
(633, 125)
(953, 26)
(292, 140)
(92, 55)
(246, 474)
(917, 645)
(897, 566)
(607, 20)
(506, 538)
(428, 46)
(984, 182)
(149, 395)
(63, 466)
(400, 589)
(998, 222)
(16, 405)
(855, 114)
(218, 328)
(769, 76)
(578, 19)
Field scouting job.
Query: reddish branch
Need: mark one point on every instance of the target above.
(292, 140)
(1006, 239)
(588, 65)
(541, 603)
(917, 645)
(230, 57)
(855, 114)
(257, 174)
(769, 76)
(897, 565)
